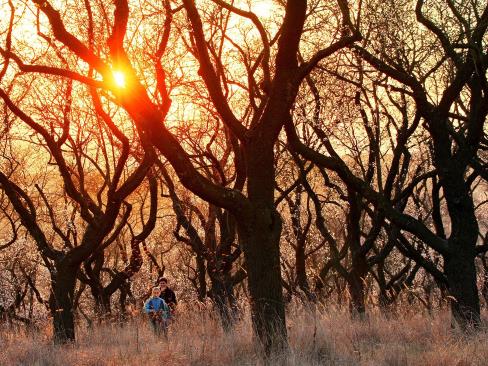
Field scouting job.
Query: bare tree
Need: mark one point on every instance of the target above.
(455, 139)
(271, 95)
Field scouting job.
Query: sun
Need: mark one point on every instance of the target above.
(119, 78)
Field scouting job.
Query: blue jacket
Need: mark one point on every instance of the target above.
(157, 304)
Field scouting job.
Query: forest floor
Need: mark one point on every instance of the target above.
(328, 338)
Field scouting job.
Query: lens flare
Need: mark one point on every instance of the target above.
(119, 79)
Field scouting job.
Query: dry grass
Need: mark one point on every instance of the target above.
(330, 338)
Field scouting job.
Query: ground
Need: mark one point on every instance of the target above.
(328, 338)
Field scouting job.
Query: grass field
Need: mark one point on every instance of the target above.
(328, 338)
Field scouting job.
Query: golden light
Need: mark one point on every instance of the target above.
(262, 8)
(119, 78)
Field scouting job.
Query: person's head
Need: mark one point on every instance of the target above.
(156, 291)
(163, 283)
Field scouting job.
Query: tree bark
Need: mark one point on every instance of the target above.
(459, 262)
(260, 241)
(359, 268)
(356, 290)
(259, 235)
(61, 303)
(460, 271)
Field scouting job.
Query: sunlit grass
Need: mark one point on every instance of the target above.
(328, 338)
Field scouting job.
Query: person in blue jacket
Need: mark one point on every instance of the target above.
(158, 312)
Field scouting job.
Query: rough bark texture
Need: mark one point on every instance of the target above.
(61, 304)
(459, 266)
(260, 240)
(359, 267)
(259, 235)
(460, 271)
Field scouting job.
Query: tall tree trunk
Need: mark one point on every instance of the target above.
(356, 290)
(259, 234)
(359, 267)
(61, 303)
(459, 262)
(260, 239)
(460, 271)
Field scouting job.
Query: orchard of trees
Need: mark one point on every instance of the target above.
(264, 151)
